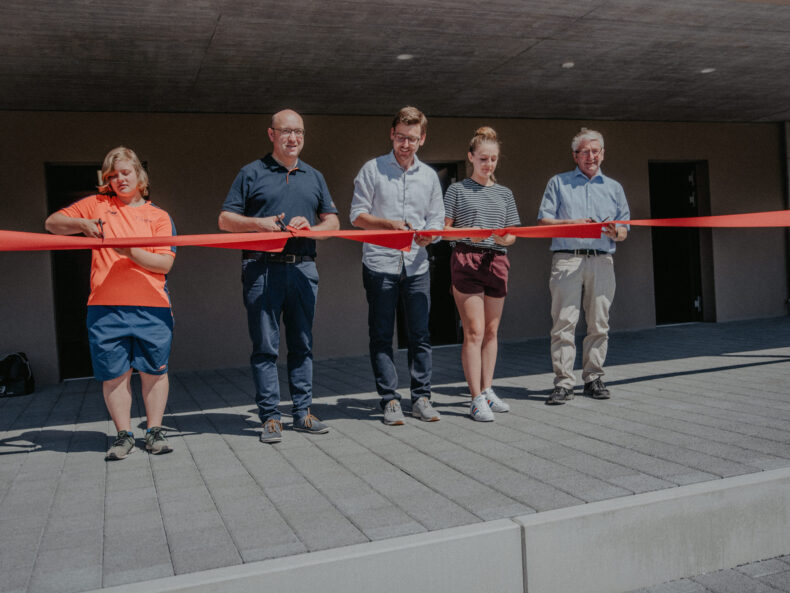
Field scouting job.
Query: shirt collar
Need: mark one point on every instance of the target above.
(414, 166)
(597, 178)
(270, 163)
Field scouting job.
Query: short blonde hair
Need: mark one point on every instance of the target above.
(121, 153)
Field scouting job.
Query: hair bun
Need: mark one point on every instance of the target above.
(487, 133)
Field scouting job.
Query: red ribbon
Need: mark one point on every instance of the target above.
(779, 218)
(402, 240)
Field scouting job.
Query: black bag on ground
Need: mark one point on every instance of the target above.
(16, 378)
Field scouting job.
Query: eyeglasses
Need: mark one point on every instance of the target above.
(587, 152)
(298, 132)
(400, 139)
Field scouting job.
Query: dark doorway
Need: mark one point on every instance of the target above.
(67, 183)
(682, 257)
(445, 323)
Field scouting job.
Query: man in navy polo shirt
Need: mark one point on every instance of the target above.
(266, 195)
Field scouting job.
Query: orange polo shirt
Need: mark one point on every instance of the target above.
(115, 279)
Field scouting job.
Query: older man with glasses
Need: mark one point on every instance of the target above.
(266, 195)
(397, 191)
(582, 270)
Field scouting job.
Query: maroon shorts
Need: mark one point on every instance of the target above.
(475, 270)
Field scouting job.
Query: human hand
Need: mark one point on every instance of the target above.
(269, 223)
(612, 231)
(423, 240)
(478, 239)
(399, 225)
(125, 251)
(92, 227)
(299, 223)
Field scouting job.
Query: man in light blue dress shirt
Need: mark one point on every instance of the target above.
(396, 191)
(582, 270)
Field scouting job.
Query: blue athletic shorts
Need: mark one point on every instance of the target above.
(129, 337)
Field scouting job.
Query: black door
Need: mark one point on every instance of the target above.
(444, 323)
(71, 270)
(675, 192)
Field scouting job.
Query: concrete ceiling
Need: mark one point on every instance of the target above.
(632, 59)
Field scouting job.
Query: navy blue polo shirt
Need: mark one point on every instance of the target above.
(266, 188)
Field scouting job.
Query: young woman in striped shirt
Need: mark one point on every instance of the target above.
(479, 268)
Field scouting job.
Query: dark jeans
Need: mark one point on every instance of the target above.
(272, 288)
(383, 292)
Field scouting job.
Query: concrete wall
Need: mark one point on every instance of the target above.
(193, 159)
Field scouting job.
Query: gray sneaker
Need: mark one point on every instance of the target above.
(596, 389)
(122, 447)
(393, 415)
(155, 441)
(272, 431)
(310, 424)
(423, 410)
(559, 396)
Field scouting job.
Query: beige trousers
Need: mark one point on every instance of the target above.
(577, 280)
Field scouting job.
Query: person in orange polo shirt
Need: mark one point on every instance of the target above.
(130, 323)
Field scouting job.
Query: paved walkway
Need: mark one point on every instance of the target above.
(691, 403)
(767, 576)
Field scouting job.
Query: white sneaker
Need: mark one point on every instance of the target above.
(496, 404)
(479, 409)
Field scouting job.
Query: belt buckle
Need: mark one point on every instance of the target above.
(289, 258)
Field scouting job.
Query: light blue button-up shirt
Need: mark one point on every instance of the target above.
(572, 195)
(382, 188)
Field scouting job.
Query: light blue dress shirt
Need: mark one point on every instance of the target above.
(382, 188)
(572, 195)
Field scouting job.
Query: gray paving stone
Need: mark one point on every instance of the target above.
(763, 568)
(203, 558)
(125, 553)
(150, 570)
(778, 580)
(55, 540)
(732, 581)
(679, 586)
(66, 579)
(15, 580)
(264, 536)
(67, 569)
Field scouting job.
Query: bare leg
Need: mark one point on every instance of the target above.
(471, 309)
(493, 315)
(155, 390)
(118, 398)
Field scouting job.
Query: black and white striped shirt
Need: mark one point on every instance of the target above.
(470, 204)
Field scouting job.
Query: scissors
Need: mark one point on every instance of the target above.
(101, 227)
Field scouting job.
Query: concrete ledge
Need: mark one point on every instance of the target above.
(626, 543)
(481, 557)
(611, 546)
